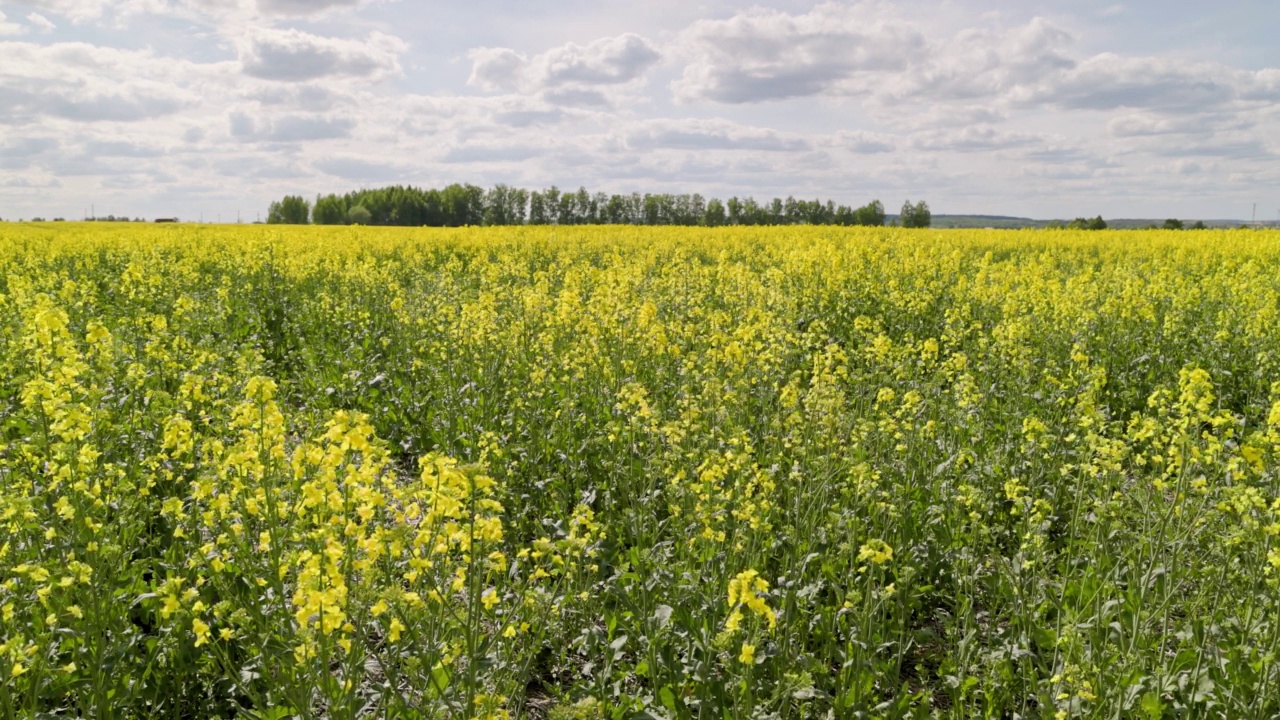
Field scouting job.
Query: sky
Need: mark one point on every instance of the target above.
(210, 109)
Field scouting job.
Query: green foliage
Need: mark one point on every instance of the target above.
(359, 215)
(915, 216)
(329, 210)
(638, 473)
(1086, 224)
(460, 205)
(1173, 224)
(716, 215)
(292, 210)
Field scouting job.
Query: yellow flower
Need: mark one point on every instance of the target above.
(744, 591)
(201, 629)
(748, 654)
(877, 552)
(1273, 558)
(393, 632)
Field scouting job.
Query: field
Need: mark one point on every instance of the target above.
(798, 472)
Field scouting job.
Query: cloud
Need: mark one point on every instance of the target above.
(1109, 82)
(19, 154)
(983, 63)
(260, 168)
(568, 75)
(1223, 146)
(42, 23)
(10, 28)
(877, 50)
(530, 117)
(76, 11)
(87, 83)
(123, 105)
(118, 148)
(296, 56)
(289, 128)
(865, 143)
(708, 135)
(362, 170)
(26, 183)
(764, 54)
(577, 97)
(305, 7)
(974, 139)
(608, 61)
(491, 153)
(311, 98)
(496, 68)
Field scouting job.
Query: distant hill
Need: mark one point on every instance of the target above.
(1009, 222)
(986, 221)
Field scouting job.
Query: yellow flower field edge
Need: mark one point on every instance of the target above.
(621, 472)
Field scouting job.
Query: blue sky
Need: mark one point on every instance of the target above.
(209, 108)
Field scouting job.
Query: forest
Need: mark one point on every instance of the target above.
(460, 205)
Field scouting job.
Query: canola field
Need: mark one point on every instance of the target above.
(799, 472)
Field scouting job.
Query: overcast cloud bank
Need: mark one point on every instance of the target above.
(182, 107)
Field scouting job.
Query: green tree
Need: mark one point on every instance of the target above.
(329, 210)
(291, 210)
(870, 214)
(1098, 223)
(359, 215)
(1173, 224)
(916, 216)
(715, 215)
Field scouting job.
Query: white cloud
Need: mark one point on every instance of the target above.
(975, 139)
(492, 153)
(708, 135)
(74, 10)
(295, 56)
(567, 75)
(983, 63)
(21, 153)
(496, 69)
(86, 83)
(865, 143)
(305, 7)
(289, 128)
(356, 169)
(765, 54)
(10, 28)
(173, 104)
(1109, 81)
(42, 23)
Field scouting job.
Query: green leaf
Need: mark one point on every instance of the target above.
(668, 698)
(1151, 706)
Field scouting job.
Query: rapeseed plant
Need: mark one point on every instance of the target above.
(494, 473)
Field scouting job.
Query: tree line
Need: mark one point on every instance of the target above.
(464, 204)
